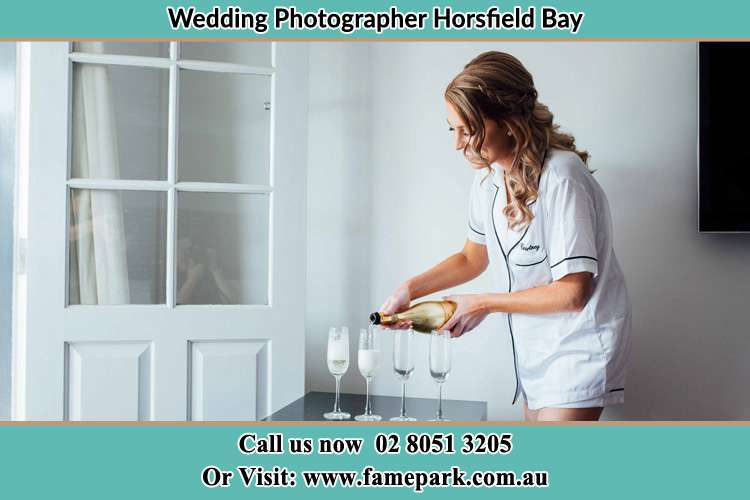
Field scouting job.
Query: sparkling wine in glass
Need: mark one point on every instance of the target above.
(368, 359)
(338, 362)
(403, 366)
(440, 365)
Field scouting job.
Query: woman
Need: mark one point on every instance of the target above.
(539, 219)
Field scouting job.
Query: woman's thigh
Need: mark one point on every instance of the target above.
(567, 414)
(529, 415)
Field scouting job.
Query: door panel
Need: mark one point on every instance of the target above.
(228, 380)
(108, 380)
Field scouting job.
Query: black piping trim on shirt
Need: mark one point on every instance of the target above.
(507, 266)
(510, 276)
(576, 257)
(528, 204)
(544, 159)
(618, 389)
(520, 239)
(480, 234)
(535, 263)
(524, 233)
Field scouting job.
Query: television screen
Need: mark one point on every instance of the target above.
(724, 137)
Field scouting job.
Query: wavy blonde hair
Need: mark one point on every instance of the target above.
(496, 86)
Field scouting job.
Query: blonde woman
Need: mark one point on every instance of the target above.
(542, 224)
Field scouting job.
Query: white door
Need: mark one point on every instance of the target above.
(166, 231)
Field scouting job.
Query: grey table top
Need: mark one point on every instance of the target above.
(312, 405)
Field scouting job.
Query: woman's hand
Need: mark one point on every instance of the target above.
(397, 302)
(470, 312)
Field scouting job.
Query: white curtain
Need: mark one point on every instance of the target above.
(99, 268)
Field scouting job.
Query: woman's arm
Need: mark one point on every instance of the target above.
(568, 294)
(459, 268)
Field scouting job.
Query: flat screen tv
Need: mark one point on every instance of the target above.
(724, 137)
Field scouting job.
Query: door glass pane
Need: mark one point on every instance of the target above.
(117, 247)
(225, 127)
(249, 53)
(222, 248)
(149, 49)
(119, 122)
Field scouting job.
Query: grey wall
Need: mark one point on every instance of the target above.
(7, 170)
(338, 202)
(633, 106)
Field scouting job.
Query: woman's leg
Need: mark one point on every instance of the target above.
(529, 415)
(568, 414)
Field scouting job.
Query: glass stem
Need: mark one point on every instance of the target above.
(336, 405)
(403, 398)
(440, 402)
(368, 410)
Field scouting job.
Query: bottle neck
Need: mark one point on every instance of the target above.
(386, 319)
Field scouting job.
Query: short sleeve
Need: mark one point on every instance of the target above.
(476, 226)
(570, 229)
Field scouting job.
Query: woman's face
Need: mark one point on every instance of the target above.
(497, 143)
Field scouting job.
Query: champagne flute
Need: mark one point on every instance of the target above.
(403, 365)
(440, 365)
(338, 363)
(368, 358)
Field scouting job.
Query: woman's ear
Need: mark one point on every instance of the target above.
(508, 129)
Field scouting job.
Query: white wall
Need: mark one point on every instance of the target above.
(633, 106)
(338, 202)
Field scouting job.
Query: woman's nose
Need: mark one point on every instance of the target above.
(460, 141)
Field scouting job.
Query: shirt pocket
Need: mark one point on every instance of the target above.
(529, 261)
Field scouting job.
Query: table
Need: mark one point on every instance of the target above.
(312, 405)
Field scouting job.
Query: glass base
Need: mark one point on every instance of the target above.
(368, 418)
(403, 419)
(439, 420)
(337, 415)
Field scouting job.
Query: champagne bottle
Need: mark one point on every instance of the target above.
(425, 316)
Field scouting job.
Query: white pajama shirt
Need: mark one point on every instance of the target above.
(566, 359)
